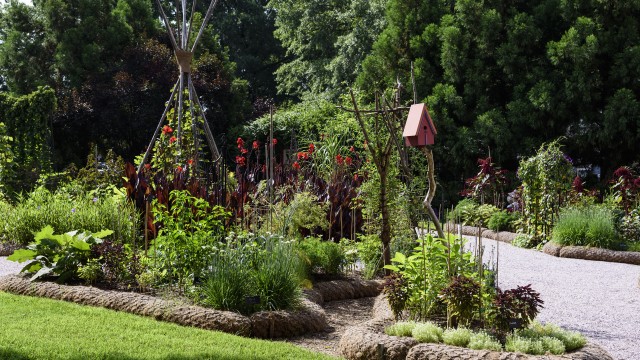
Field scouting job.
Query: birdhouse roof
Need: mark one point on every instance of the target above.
(418, 116)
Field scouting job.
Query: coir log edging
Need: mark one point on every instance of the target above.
(265, 324)
(502, 236)
(365, 341)
(592, 253)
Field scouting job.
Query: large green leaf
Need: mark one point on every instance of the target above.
(103, 234)
(42, 272)
(80, 245)
(22, 255)
(45, 233)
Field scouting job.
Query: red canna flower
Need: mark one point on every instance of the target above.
(240, 160)
(256, 145)
(244, 151)
(300, 155)
(147, 166)
(240, 143)
(296, 165)
(190, 162)
(339, 159)
(166, 130)
(172, 140)
(179, 168)
(348, 160)
(312, 148)
(274, 141)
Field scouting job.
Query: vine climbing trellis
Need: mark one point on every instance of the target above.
(180, 33)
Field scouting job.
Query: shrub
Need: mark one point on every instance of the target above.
(501, 221)
(591, 226)
(395, 287)
(484, 341)
(524, 241)
(370, 253)
(521, 303)
(552, 345)
(58, 255)
(71, 208)
(457, 337)
(403, 328)
(322, 257)
(462, 210)
(462, 297)
(553, 338)
(427, 333)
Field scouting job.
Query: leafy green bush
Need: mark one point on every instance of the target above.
(630, 226)
(263, 267)
(427, 333)
(189, 230)
(457, 337)
(524, 241)
(553, 345)
(370, 253)
(484, 341)
(71, 208)
(6, 210)
(502, 221)
(58, 255)
(591, 226)
(570, 339)
(403, 328)
(462, 210)
(322, 257)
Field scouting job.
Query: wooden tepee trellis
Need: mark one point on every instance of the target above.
(180, 39)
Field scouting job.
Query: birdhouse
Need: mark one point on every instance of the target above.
(419, 130)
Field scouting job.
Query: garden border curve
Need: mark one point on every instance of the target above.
(368, 340)
(265, 324)
(592, 253)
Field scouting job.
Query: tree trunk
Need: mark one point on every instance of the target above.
(385, 233)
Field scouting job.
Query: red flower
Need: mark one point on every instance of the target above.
(172, 140)
(256, 145)
(240, 143)
(300, 155)
(348, 160)
(312, 148)
(179, 168)
(339, 159)
(166, 130)
(274, 141)
(240, 160)
(296, 165)
(352, 149)
(190, 162)
(147, 166)
(244, 151)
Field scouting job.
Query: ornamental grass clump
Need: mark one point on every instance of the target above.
(403, 328)
(457, 337)
(427, 333)
(484, 341)
(589, 226)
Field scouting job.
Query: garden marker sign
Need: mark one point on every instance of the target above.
(419, 130)
(184, 55)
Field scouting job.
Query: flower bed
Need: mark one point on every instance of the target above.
(265, 324)
(368, 340)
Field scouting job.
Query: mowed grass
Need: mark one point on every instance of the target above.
(38, 328)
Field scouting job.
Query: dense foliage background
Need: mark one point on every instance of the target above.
(500, 77)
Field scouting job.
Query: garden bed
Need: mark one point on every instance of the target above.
(265, 324)
(368, 341)
(592, 253)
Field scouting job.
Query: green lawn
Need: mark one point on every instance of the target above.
(37, 328)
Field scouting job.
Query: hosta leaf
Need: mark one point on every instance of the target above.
(22, 255)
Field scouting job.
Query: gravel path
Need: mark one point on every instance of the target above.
(9, 267)
(599, 299)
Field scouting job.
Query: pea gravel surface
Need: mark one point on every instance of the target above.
(599, 299)
(9, 267)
